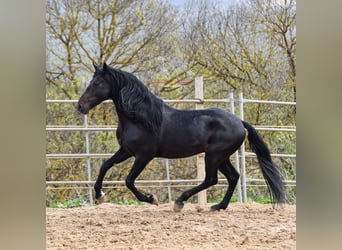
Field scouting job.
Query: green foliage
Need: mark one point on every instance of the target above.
(68, 204)
(219, 197)
(262, 200)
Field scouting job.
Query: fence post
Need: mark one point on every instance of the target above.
(243, 159)
(236, 154)
(88, 160)
(202, 196)
(167, 166)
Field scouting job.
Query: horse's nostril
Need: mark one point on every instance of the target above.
(82, 108)
(79, 107)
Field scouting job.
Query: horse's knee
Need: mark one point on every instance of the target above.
(106, 165)
(129, 183)
(233, 177)
(211, 181)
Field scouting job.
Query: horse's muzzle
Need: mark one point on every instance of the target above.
(82, 108)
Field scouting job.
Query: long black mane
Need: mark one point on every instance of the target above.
(135, 100)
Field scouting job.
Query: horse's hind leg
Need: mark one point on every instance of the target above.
(138, 166)
(232, 176)
(118, 157)
(211, 163)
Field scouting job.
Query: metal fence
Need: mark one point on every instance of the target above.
(240, 160)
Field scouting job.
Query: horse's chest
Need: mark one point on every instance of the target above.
(134, 139)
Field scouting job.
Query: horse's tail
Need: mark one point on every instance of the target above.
(270, 171)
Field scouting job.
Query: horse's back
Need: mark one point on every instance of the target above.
(190, 132)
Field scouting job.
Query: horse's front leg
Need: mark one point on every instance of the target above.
(118, 157)
(138, 166)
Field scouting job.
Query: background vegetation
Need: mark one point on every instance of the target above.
(247, 46)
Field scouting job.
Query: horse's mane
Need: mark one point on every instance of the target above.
(135, 100)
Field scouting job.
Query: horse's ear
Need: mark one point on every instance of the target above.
(95, 67)
(105, 68)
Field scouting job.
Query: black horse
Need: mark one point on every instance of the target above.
(149, 128)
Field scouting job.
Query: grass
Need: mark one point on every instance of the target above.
(68, 204)
(261, 200)
(80, 202)
(217, 200)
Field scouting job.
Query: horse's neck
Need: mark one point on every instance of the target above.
(123, 117)
(119, 112)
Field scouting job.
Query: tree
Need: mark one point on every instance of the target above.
(131, 35)
(244, 44)
(277, 20)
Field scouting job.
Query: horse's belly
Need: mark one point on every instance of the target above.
(180, 150)
(174, 155)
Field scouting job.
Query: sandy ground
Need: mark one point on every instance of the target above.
(109, 226)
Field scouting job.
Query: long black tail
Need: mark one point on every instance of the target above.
(270, 171)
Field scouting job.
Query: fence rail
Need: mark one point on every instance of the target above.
(165, 182)
(240, 161)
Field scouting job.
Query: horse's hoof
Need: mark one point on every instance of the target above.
(101, 199)
(178, 207)
(155, 200)
(217, 207)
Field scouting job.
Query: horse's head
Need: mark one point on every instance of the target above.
(98, 90)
